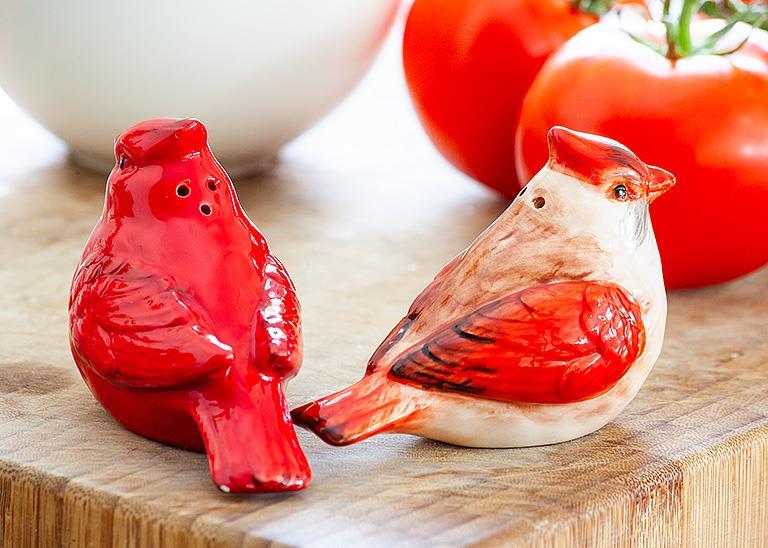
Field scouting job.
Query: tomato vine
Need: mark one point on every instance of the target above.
(678, 16)
(598, 7)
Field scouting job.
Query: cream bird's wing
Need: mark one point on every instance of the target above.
(550, 343)
(132, 326)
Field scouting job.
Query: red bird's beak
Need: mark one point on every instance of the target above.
(661, 181)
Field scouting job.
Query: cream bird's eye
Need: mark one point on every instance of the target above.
(620, 191)
(539, 202)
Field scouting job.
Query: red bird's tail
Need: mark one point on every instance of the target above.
(250, 440)
(357, 412)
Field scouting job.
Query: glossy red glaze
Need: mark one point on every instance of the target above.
(605, 163)
(182, 323)
(356, 412)
(551, 343)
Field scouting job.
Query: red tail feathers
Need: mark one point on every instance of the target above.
(250, 440)
(357, 412)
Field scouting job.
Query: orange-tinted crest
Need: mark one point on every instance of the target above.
(163, 138)
(603, 162)
(591, 158)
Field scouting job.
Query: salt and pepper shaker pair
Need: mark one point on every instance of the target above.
(185, 326)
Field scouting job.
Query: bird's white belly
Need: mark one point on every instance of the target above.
(472, 422)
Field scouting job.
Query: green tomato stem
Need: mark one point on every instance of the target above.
(595, 7)
(677, 26)
(684, 41)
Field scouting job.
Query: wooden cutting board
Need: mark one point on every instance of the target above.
(363, 213)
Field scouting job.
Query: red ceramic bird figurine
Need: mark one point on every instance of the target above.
(182, 323)
(541, 331)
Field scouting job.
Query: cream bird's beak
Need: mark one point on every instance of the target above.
(660, 182)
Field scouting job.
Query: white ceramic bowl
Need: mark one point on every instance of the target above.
(256, 72)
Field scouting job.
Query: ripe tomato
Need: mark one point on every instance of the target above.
(468, 65)
(704, 118)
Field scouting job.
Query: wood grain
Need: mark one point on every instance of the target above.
(364, 213)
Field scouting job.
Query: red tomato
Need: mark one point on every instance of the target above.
(704, 118)
(468, 65)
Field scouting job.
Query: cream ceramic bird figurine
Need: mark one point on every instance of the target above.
(542, 331)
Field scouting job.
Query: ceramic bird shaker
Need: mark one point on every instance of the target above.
(182, 323)
(542, 331)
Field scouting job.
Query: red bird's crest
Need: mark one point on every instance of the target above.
(162, 139)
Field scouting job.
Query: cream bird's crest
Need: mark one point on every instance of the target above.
(605, 164)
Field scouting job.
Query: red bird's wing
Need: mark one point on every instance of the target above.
(278, 326)
(132, 326)
(551, 343)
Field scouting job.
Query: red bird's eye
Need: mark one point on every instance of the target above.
(123, 162)
(620, 191)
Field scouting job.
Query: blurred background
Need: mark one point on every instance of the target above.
(369, 152)
(682, 83)
(361, 208)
